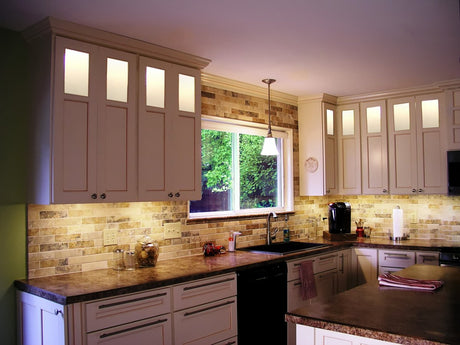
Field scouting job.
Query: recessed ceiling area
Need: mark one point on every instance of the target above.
(339, 47)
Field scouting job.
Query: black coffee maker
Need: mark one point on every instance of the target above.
(339, 217)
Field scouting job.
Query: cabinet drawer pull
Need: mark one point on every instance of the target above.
(396, 255)
(230, 343)
(208, 308)
(208, 284)
(428, 258)
(58, 311)
(297, 284)
(327, 257)
(111, 334)
(114, 304)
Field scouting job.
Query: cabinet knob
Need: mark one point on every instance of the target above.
(328, 191)
(414, 190)
(94, 196)
(177, 195)
(103, 196)
(420, 190)
(170, 195)
(385, 191)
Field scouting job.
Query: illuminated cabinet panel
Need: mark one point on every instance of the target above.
(94, 147)
(374, 148)
(169, 131)
(416, 144)
(349, 149)
(317, 147)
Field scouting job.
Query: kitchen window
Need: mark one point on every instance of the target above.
(236, 179)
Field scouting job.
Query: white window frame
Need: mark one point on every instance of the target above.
(287, 170)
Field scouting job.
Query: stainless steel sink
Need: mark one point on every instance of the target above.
(283, 248)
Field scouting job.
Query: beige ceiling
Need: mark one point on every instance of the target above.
(340, 47)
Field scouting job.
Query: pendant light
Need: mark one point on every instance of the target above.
(269, 148)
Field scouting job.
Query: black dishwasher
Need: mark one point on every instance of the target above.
(262, 304)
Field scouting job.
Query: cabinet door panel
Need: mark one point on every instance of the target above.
(152, 153)
(403, 172)
(349, 149)
(75, 151)
(114, 163)
(186, 146)
(432, 174)
(374, 150)
(117, 120)
(74, 129)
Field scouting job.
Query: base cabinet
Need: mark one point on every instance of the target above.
(364, 265)
(198, 312)
(316, 336)
(42, 322)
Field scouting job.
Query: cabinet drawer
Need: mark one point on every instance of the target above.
(396, 258)
(427, 258)
(321, 263)
(119, 310)
(207, 323)
(150, 331)
(203, 291)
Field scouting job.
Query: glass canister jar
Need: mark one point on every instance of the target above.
(146, 252)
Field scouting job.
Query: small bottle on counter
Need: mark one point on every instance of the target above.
(286, 235)
(231, 243)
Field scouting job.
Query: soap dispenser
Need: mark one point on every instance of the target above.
(286, 235)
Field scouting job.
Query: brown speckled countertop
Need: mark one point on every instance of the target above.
(85, 286)
(397, 315)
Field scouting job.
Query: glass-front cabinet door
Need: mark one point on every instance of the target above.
(94, 122)
(374, 152)
(416, 145)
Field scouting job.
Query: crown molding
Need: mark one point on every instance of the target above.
(440, 86)
(246, 88)
(53, 26)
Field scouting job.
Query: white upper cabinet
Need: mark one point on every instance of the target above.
(349, 149)
(317, 147)
(98, 121)
(94, 124)
(374, 148)
(417, 159)
(169, 131)
(453, 126)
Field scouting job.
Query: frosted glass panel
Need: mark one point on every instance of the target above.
(186, 93)
(373, 119)
(430, 114)
(117, 80)
(401, 117)
(155, 87)
(76, 72)
(348, 122)
(330, 121)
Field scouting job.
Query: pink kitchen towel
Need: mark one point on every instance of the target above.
(388, 279)
(307, 280)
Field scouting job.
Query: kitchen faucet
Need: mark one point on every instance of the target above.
(271, 236)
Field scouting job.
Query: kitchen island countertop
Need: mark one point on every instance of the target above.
(399, 315)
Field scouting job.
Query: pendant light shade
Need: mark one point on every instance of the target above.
(269, 148)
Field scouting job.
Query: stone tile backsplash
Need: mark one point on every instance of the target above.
(69, 238)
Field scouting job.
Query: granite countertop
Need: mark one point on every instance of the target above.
(85, 286)
(393, 314)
